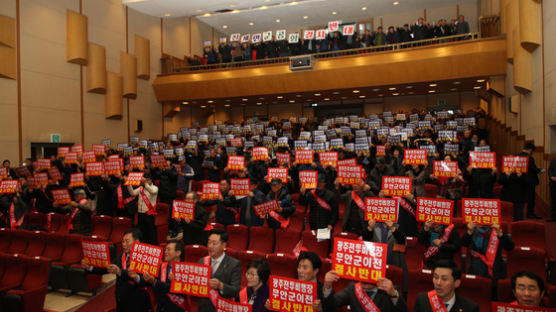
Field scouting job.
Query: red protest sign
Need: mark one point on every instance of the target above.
(264, 208)
(288, 294)
(94, 168)
(43, 163)
(77, 149)
(510, 307)
(88, 157)
(77, 179)
(350, 174)
(182, 209)
(278, 173)
(96, 254)
(236, 162)
(71, 158)
(211, 191)
(137, 162)
(41, 178)
(515, 164)
(190, 279)
(483, 160)
(448, 169)
(23, 171)
(158, 161)
(99, 149)
(481, 211)
(112, 167)
(282, 158)
(381, 209)
(8, 186)
(134, 178)
(396, 186)
(328, 159)
(381, 150)
(415, 156)
(308, 179)
(3, 173)
(54, 174)
(359, 260)
(225, 305)
(333, 26)
(304, 157)
(61, 196)
(63, 150)
(145, 258)
(240, 187)
(437, 210)
(236, 142)
(259, 153)
(347, 162)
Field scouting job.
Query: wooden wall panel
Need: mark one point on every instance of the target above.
(143, 54)
(8, 62)
(113, 106)
(530, 33)
(96, 69)
(7, 31)
(523, 71)
(128, 69)
(76, 38)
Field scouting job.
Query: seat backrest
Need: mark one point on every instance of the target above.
(324, 268)
(195, 252)
(102, 225)
(162, 212)
(477, 287)
(73, 252)
(282, 265)
(119, 226)
(261, 239)
(180, 195)
(245, 256)
(529, 233)
(19, 239)
(419, 281)
(431, 190)
(395, 274)
(36, 244)
(310, 243)
(54, 246)
(38, 269)
(15, 271)
(526, 258)
(3, 259)
(63, 223)
(286, 240)
(238, 236)
(5, 239)
(35, 218)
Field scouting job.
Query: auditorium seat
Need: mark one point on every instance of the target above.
(14, 273)
(310, 243)
(528, 233)
(63, 222)
(53, 222)
(19, 239)
(507, 212)
(431, 190)
(261, 239)
(505, 293)
(344, 235)
(102, 226)
(180, 195)
(54, 246)
(195, 252)
(282, 265)
(35, 220)
(395, 274)
(36, 244)
(30, 296)
(413, 253)
(550, 296)
(5, 239)
(325, 267)
(119, 226)
(477, 287)
(297, 221)
(238, 236)
(286, 240)
(295, 197)
(59, 269)
(419, 281)
(80, 280)
(526, 258)
(245, 256)
(497, 190)
(161, 221)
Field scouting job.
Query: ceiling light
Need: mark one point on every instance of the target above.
(362, 96)
(395, 94)
(185, 102)
(235, 11)
(477, 87)
(210, 101)
(480, 80)
(199, 10)
(456, 82)
(228, 100)
(264, 7)
(167, 14)
(278, 21)
(243, 104)
(392, 89)
(317, 94)
(334, 13)
(261, 98)
(364, 8)
(279, 97)
(224, 26)
(433, 85)
(251, 24)
(395, 2)
(227, 105)
(432, 91)
(294, 3)
(410, 92)
(292, 101)
(207, 14)
(335, 92)
(327, 99)
(305, 17)
(203, 106)
(376, 89)
(266, 0)
(381, 95)
(259, 103)
(454, 89)
(314, 104)
(344, 97)
(355, 91)
(298, 95)
(244, 100)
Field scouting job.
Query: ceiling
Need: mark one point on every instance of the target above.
(235, 16)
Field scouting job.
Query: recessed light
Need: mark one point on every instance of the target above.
(266, 0)
(279, 97)
(477, 87)
(410, 92)
(264, 7)
(317, 94)
(381, 95)
(243, 104)
(433, 85)
(344, 97)
(395, 94)
(203, 106)
(224, 26)
(362, 96)
(454, 89)
(335, 92)
(327, 99)
(235, 11)
(298, 95)
(228, 100)
(305, 17)
(167, 14)
(259, 103)
(480, 80)
(278, 21)
(456, 82)
(292, 101)
(355, 91)
(207, 14)
(210, 101)
(227, 105)
(432, 91)
(376, 89)
(409, 87)
(185, 102)
(244, 100)
(199, 10)
(364, 8)
(251, 23)
(334, 13)
(395, 2)
(261, 98)
(314, 105)
(392, 89)
(294, 3)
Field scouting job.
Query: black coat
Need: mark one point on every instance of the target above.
(320, 217)
(476, 265)
(446, 250)
(194, 232)
(347, 297)
(462, 304)
(162, 289)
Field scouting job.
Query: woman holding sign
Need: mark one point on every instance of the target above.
(194, 230)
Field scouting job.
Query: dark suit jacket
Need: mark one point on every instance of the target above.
(229, 273)
(347, 297)
(462, 304)
(161, 289)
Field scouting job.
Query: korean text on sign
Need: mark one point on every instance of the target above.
(350, 174)
(134, 178)
(77, 179)
(211, 190)
(415, 156)
(225, 305)
(515, 164)
(182, 209)
(308, 179)
(396, 186)
(381, 209)
(8, 186)
(282, 158)
(304, 156)
(145, 258)
(137, 162)
(236, 162)
(61, 196)
(94, 168)
(483, 160)
(481, 211)
(96, 254)
(265, 208)
(448, 169)
(240, 187)
(288, 294)
(279, 173)
(437, 210)
(510, 307)
(190, 279)
(158, 161)
(259, 153)
(359, 260)
(328, 159)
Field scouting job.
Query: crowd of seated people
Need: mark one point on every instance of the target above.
(334, 41)
(199, 155)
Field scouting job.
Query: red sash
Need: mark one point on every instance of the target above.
(243, 296)
(152, 210)
(15, 224)
(436, 304)
(432, 250)
(321, 201)
(366, 303)
(213, 293)
(284, 223)
(121, 201)
(357, 200)
(178, 300)
(49, 221)
(70, 220)
(124, 263)
(405, 205)
(490, 254)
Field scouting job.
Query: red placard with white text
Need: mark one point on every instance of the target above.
(61, 196)
(510, 307)
(448, 169)
(190, 279)
(137, 162)
(236, 142)
(99, 149)
(55, 174)
(96, 254)
(333, 26)
(350, 174)
(264, 208)
(279, 173)
(145, 258)
(288, 294)
(43, 163)
(303, 157)
(381, 209)
(437, 210)
(94, 168)
(414, 156)
(515, 164)
(480, 211)
(259, 153)
(308, 179)
(328, 159)
(62, 151)
(77, 179)
(158, 161)
(225, 305)
(240, 187)
(347, 162)
(359, 260)
(77, 149)
(396, 186)
(236, 162)
(88, 157)
(112, 167)
(71, 158)
(41, 178)
(482, 160)
(211, 191)
(3, 173)
(283, 158)
(8, 186)
(134, 178)
(182, 209)
(380, 150)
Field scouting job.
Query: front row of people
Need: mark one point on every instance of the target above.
(133, 290)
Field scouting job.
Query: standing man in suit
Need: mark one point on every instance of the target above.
(226, 271)
(532, 180)
(354, 215)
(130, 295)
(446, 278)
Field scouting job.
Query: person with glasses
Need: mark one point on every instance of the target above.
(257, 292)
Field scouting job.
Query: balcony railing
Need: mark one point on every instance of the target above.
(172, 64)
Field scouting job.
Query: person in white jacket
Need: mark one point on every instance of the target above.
(146, 208)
